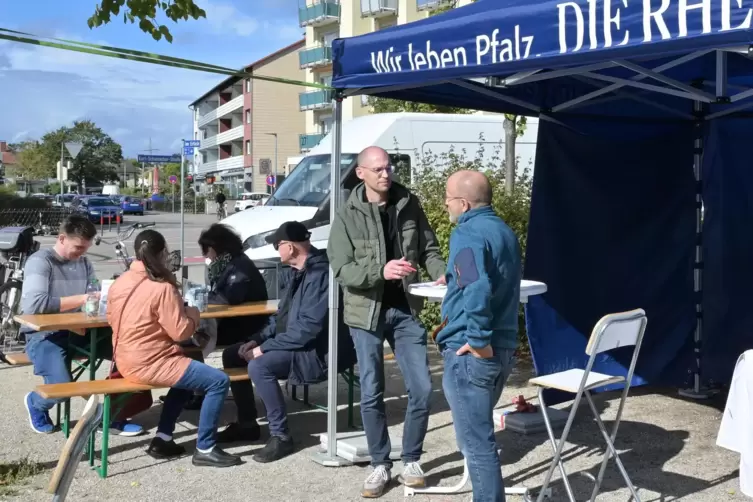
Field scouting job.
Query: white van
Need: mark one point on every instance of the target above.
(407, 137)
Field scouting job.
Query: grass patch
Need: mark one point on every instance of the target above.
(16, 473)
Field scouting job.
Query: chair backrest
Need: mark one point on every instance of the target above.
(624, 329)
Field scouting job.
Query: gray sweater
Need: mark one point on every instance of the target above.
(48, 277)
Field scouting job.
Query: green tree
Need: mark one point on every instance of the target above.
(146, 13)
(98, 159)
(429, 181)
(32, 163)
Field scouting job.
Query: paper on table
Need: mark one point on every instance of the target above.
(428, 285)
(103, 297)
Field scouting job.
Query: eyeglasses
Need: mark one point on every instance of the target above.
(277, 245)
(379, 170)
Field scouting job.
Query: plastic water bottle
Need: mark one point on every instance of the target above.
(91, 307)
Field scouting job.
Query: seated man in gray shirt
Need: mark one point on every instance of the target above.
(55, 281)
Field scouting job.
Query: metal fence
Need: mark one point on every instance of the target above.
(192, 206)
(44, 221)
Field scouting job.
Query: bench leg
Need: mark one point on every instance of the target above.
(102, 470)
(306, 395)
(293, 396)
(66, 417)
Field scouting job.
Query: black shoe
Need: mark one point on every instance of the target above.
(275, 449)
(215, 458)
(236, 432)
(161, 449)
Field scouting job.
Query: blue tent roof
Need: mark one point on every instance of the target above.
(555, 54)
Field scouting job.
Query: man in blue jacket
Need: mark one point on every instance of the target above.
(293, 346)
(479, 332)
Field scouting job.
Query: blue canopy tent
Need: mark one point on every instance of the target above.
(643, 127)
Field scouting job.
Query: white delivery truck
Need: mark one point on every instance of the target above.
(407, 137)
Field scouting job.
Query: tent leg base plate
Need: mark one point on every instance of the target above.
(323, 458)
(702, 393)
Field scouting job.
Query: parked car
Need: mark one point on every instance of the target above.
(63, 200)
(132, 205)
(250, 199)
(98, 209)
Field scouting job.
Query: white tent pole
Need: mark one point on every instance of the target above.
(329, 457)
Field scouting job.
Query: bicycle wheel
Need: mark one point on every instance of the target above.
(10, 300)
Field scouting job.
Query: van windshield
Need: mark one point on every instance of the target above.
(309, 183)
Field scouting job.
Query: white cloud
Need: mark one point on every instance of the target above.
(45, 88)
(224, 18)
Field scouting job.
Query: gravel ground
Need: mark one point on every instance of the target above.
(667, 445)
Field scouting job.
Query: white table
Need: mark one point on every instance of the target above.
(436, 293)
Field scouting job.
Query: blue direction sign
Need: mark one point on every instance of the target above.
(187, 150)
(159, 159)
(194, 143)
(271, 180)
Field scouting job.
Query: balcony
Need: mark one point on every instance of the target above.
(432, 4)
(219, 112)
(315, 100)
(223, 137)
(221, 165)
(309, 141)
(319, 12)
(379, 8)
(315, 56)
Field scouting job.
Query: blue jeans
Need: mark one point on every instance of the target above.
(265, 373)
(408, 338)
(198, 377)
(472, 387)
(47, 352)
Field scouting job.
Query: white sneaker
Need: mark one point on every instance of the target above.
(413, 476)
(375, 483)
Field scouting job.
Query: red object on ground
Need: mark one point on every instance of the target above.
(523, 406)
(101, 220)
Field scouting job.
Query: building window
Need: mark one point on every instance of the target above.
(248, 147)
(248, 116)
(248, 85)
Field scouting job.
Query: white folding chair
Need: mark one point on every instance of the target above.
(612, 331)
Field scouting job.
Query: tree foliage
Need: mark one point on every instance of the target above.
(98, 159)
(428, 184)
(32, 163)
(146, 13)
(385, 105)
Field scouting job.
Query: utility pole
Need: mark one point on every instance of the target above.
(143, 164)
(274, 170)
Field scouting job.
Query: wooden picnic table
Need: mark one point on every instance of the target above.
(76, 321)
(77, 324)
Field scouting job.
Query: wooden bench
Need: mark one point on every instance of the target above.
(22, 359)
(109, 388)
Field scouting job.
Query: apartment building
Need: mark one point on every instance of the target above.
(326, 20)
(245, 124)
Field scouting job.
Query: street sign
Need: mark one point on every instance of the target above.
(187, 150)
(265, 165)
(271, 180)
(159, 159)
(173, 179)
(193, 143)
(73, 148)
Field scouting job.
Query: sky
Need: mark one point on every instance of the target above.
(43, 88)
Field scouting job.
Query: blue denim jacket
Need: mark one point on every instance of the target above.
(483, 284)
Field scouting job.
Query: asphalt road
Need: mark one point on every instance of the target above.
(103, 256)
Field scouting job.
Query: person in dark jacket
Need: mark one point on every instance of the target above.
(232, 279)
(293, 346)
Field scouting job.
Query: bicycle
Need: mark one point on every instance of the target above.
(121, 250)
(221, 211)
(16, 245)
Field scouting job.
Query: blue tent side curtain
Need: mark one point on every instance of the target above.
(646, 59)
(623, 75)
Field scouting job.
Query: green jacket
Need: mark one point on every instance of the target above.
(357, 253)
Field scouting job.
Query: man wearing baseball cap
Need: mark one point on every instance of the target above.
(292, 346)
